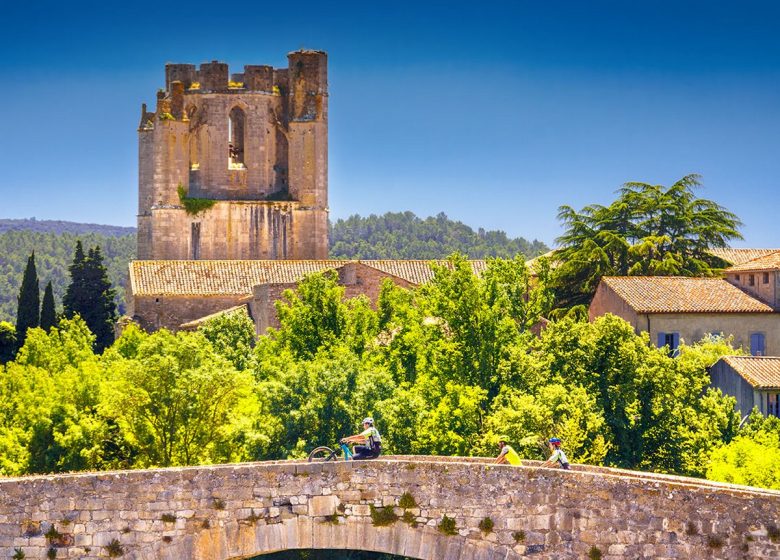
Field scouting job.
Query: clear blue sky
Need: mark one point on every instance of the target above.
(495, 113)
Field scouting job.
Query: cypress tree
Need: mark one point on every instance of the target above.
(48, 312)
(76, 297)
(91, 296)
(29, 309)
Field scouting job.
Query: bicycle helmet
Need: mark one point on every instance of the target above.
(503, 439)
(368, 420)
(555, 441)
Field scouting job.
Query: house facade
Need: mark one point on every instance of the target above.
(754, 381)
(674, 309)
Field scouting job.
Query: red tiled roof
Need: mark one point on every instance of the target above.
(237, 277)
(416, 272)
(762, 372)
(766, 262)
(675, 294)
(738, 256)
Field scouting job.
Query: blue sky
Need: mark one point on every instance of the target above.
(495, 113)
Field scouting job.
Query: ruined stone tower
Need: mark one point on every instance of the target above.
(236, 167)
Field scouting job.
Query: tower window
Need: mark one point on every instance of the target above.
(236, 130)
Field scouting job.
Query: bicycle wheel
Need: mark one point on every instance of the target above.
(320, 454)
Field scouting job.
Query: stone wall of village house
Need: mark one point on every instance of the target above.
(694, 326)
(497, 512)
(607, 301)
(158, 312)
(765, 285)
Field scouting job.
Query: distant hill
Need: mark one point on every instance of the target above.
(402, 235)
(391, 236)
(59, 226)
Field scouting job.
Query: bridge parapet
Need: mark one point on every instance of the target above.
(240, 511)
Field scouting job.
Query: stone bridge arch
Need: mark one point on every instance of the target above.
(234, 512)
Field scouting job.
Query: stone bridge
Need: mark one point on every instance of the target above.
(429, 508)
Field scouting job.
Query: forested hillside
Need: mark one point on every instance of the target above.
(53, 255)
(59, 226)
(390, 236)
(402, 235)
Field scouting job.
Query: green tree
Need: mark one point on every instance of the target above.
(91, 296)
(175, 400)
(7, 341)
(647, 230)
(48, 311)
(28, 312)
(232, 335)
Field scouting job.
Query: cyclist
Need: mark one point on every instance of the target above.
(558, 456)
(370, 440)
(507, 454)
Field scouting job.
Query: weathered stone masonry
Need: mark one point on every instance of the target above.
(239, 511)
(255, 142)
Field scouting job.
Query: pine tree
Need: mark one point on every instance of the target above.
(91, 296)
(29, 309)
(48, 311)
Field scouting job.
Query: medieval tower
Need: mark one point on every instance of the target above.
(236, 166)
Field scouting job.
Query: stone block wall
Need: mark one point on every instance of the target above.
(239, 511)
(236, 142)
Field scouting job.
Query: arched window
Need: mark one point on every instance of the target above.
(236, 136)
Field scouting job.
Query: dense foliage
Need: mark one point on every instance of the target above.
(648, 230)
(444, 369)
(90, 296)
(53, 256)
(392, 236)
(402, 235)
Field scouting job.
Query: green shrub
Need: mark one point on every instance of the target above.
(114, 549)
(168, 518)
(192, 205)
(519, 536)
(594, 553)
(407, 501)
(18, 554)
(486, 525)
(384, 516)
(447, 526)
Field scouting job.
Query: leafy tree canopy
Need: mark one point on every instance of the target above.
(647, 230)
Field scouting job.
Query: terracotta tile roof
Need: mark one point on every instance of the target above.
(739, 256)
(762, 372)
(416, 272)
(237, 277)
(194, 324)
(766, 262)
(675, 294)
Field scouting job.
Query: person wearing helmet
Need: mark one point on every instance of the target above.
(507, 454)
(369, 439)
(558, 456)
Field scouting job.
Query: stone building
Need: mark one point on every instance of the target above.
(754, 381)
(182, 294)
(672, 309)
(236, 166)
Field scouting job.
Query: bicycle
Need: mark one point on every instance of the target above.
(324, 453)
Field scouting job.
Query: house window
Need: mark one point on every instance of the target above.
(766, 278)
(772, 402)
(671, 340)
(757, 344)
(752, 280)
(736, 277)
